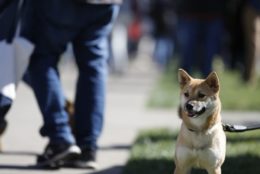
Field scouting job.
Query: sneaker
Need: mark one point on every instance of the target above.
(55, 154)
(87, 159)
(3, 125)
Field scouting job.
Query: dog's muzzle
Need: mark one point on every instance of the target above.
(195, 108)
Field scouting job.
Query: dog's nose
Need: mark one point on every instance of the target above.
(189, 107)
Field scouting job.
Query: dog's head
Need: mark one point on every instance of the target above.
(199, 97)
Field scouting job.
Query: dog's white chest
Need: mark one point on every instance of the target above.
(208, 156)
(200, 157)
(202, 150)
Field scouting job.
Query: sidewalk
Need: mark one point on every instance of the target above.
(125, 116)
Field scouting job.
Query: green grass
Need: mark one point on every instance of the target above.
(153, 153)
(165, 93)
(235, 95)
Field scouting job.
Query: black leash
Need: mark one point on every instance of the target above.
(239, 128)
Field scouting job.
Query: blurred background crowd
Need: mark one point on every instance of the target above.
(194, 33)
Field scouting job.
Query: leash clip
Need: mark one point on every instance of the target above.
(234, 128)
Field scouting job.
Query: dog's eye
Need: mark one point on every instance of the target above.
(200, 95)
(186, 94)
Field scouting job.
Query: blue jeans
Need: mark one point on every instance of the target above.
(194, 34)
(87, 27)
(163, 50)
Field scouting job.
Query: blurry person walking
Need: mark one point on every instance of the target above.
(200, 25)
(15, 51)
(86, 24)
(251, 23)
(163, 19)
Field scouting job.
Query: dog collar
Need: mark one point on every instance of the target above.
(191, 130)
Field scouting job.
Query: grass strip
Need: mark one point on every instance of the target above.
(153, 153)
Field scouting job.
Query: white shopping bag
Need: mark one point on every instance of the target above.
(14, 59)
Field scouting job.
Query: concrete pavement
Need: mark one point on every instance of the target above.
(125, 116)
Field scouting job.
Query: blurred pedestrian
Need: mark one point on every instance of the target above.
(8, 12)
(87, 25)
(15, 51)
(135, 30)
(163, 19)
(235, 52)
(200, 27)
(251, 23)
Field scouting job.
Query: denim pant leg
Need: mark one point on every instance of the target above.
(45, 81)
(91, 52)
(188, 37)
(47, 88)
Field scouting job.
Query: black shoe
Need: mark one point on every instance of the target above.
(3, 125)
(87, 159)
(55, 154)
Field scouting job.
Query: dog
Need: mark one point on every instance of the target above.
(70, 109)
(201, 141)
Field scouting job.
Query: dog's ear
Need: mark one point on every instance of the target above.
(213, 81)
(183, 78)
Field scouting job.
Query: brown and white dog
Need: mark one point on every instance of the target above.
(201, 142)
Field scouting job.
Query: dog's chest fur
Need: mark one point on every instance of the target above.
(201, 149)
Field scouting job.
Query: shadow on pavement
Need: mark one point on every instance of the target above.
(116, 147)
(111, 170)
(18, 153)
(19, 167)
(24, 167)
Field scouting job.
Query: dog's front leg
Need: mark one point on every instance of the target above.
(215, 171)
(182, 170)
